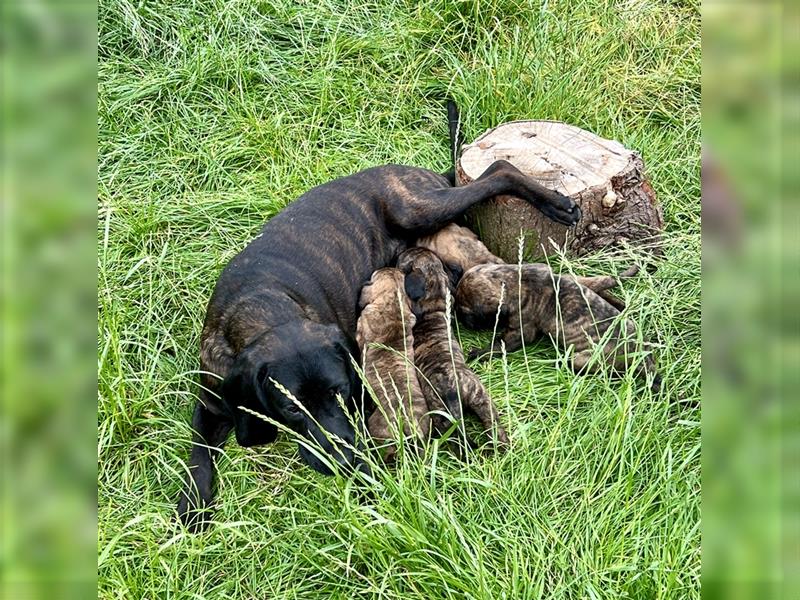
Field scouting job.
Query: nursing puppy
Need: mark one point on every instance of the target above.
(446, 380)
(550, 304)
(460, 250)
(383, 334)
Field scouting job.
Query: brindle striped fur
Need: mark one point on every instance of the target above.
(447, 382)
(460, 250)
(546, 303)
(384, 338)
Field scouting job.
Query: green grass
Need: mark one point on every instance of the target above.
(213, 116)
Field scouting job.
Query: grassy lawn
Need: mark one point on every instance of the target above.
(213, 115)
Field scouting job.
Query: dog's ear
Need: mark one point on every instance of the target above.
(415, 286)
(245, 386)
(454, 274)
(344, 347)
(349, 353)
(366, 295)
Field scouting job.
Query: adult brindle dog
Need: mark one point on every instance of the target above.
(285, 308)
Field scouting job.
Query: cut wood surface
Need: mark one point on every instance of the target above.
(605, 178)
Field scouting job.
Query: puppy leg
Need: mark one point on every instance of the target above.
(649, 367)
(602, 283)
(477, 399)
(210, 432)
(511, 337)
(581, 362)
(419, 410)
(597, 283)
(378, 429)
(443, 398)
(600, 286)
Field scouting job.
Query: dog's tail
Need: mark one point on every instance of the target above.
(456, 138)
(454, 127)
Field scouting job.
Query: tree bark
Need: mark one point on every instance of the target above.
(606, 179)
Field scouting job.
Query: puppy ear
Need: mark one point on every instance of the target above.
(366, 295)
(454, 274)
(415, 286)
(244, 386)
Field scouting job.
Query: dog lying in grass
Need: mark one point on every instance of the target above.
(460, 250)
(538, 301)
(284, 311)
(385, 340)
(447, 382)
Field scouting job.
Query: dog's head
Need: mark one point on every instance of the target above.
(312, 363)
(426, 282)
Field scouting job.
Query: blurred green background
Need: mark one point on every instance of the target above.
(751, 540)
(49, 301)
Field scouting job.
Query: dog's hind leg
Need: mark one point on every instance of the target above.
(210, 432)
(421, 211)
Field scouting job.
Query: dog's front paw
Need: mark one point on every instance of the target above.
(561, 209)
(194, 512)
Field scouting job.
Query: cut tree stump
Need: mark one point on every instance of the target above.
(606, 179)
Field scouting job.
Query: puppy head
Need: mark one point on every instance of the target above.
(312, 362)
(458, 248)
(386, 312)
(426, 282)
(383, 284)
(478, 294)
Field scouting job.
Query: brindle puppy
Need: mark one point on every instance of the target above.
(460, 250)
(384, 337)
(546, 303)
(446, 380)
